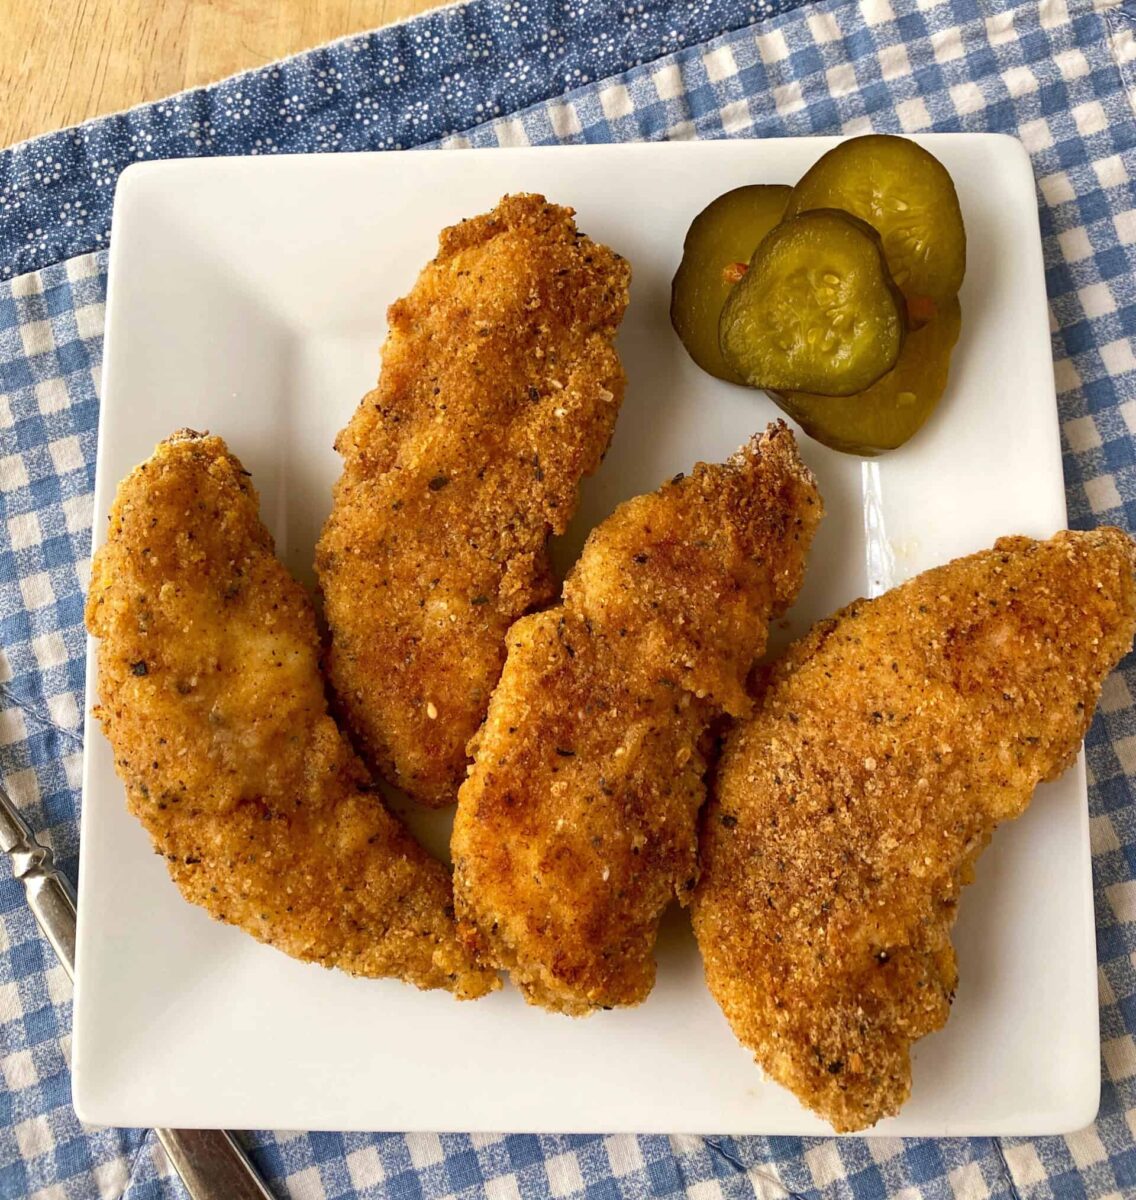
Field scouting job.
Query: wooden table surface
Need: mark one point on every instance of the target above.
(62, 61)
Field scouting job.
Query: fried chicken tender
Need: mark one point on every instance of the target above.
(212, 700)
(850, 808)
(577, 825)
(499, 391)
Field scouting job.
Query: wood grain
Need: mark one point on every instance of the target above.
(62, 61)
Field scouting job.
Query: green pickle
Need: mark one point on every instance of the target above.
(907, 195)
(892, 410)
(719, 243)
(817, 311)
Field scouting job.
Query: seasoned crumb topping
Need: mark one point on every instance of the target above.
(212, 700)
(576, 826)
(499, 390)
(886, 747)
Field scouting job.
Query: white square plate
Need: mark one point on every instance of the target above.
(247, 297)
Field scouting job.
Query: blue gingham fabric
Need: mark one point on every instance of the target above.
(399, 87)
(1058, 74)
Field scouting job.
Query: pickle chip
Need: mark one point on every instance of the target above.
(718, 246)
(817, 311)
(907, 195)
(892, 410)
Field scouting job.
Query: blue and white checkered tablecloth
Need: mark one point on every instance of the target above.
(1058, 74)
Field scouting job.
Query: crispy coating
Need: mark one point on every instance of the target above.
(849, 810)
(499, 390)
(577, 825)
(212, 700)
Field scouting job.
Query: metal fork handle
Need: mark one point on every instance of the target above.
(211, 1163)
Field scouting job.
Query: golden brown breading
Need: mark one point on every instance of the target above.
(499, 390)
(849, 810)
(576, 826)
(212, 700)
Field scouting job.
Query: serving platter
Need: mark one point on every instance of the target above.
(247, 297)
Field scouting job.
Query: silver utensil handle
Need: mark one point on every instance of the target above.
(50, 894)
(211, 1163)
(53, 904)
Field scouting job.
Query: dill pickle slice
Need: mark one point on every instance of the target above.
(892, 410)
(720, 241)
(907, 195)
(817, 311)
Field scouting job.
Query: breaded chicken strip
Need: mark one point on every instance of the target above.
(500, 388)
(212, 700)
(577, 825)
(850, 809)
